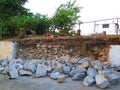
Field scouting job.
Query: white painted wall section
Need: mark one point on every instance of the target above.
(7, 50)
(114, 55)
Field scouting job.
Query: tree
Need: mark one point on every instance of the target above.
(66, 16)
(38, 23)
(42, 25)
(11, 8)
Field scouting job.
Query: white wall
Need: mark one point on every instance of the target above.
(7, 50)
(114, 55)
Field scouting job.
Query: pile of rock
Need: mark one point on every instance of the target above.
(89, 71)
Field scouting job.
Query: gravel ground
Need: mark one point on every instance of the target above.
(29, 83)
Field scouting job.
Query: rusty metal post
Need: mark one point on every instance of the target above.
(94, 26)
(0, 28)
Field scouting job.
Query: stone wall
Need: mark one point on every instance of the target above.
(93, 47)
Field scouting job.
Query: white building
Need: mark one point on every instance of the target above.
(110, 28)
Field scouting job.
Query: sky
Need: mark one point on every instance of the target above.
(92, 9)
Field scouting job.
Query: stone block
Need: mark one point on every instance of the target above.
(77, 70)
(101, 81)
(88, 81)
(13, 72)
(78, 76)
(61, 78)
(67, 69)
(25, 73)
(55, 75)
(29, 66)
(113, 78)
(92, 72)
(40, 71)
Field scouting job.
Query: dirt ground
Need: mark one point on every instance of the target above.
(29, 83)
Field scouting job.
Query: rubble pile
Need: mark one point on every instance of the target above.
(90, 72)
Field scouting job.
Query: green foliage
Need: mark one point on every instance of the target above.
(15, 16)
(42, 26)
(10, 8)
(66, 16)
(36, 23)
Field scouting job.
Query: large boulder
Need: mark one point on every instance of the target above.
(77, 70)
(101, 81)
(55, 75)
(5, 71)
(13, 72)
(92, 72)
(1, 69)
(113, 78)
(78, 76)
(88, 81)
(98, 65)
(29, 66)
(25, 73)
(41, 71)
(67, 69)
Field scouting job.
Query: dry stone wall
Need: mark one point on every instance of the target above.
(95, 48)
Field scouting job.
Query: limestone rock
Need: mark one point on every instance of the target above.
(13, 72)
(29, 66)
(5, 71)
(101, 81)
(77, 70)
(54, 75)
(41, 71)
(1, 69)
(98, 65)
(89, 81)
(113, 78)
(67, 69)
(92, 72)
(61, 78)
(25, 73)
(78, 76)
